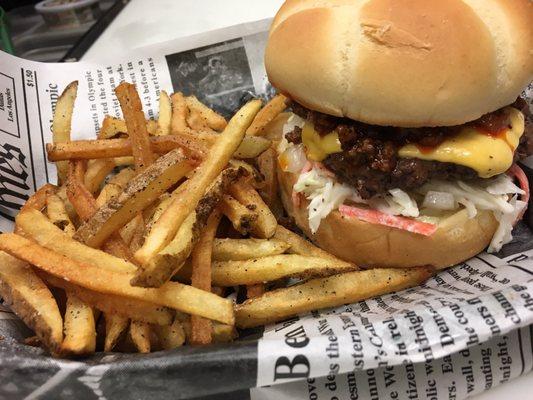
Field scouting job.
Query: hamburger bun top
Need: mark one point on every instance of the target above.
(409, 63)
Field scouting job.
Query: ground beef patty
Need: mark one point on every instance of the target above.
(369, 159)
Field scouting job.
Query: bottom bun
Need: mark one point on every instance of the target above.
(457, 238)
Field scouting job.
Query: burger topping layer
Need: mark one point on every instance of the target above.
(375, 159)
(358, 169)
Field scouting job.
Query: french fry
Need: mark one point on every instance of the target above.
(120, 150)
(166, 227)
(180, 112)
(165, 114)
(326, 292)
(255, 290)
(221, 333)
(265, 225)
(140, 335)
(115, 325)
(79, 196)
(240, 217)
(212, 119)
(37, 201)
(111, 304)
(151, 127)
(79, 326)
(115, 186)
(112, 127)
(62, 121)
(97, 171)
(169, 260)
(141, 191)
(137, 236)
(245, 249)
(270, 111)
(196, 121)
(131, 106)
(201, 276)
(113, 148)
(267, 164)
(131, 229)
(172, 294)
(40, 229)
(271, 268)
(28, 296)
(55, 209)
(252, 147)
(62, 193)
(169, 336)
(303, 247)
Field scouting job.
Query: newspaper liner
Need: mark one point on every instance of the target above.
(454, 336)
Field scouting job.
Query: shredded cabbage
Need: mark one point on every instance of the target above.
(499, 195)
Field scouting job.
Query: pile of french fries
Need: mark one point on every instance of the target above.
(157, 227)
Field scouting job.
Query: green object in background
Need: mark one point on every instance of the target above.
(5, 40)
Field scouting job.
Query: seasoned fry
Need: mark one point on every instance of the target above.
(270, 111)
(180, 112)
(172, 294)
(267, 164)
(119, 150)
(80, 198)
(201, 276)
(112, 127)
(40, 229)
(140, 336)
(241, 217)
(255, 290)
(111, 304)
(55, 209)
(245, 249)
(169, 336)
(115, 325)
(196, 121)
(221, 333)
(115, 186)
(212, 119)
(166, 227)
(62, 121)
(169, 260)
(252, 146)
(131, 106)
(265, 225)
(140, 192)
(80, 334)
(327, 292)
(37, 201)
(27, 295)
(271, 268)
(97, 171)
(303, 247)
(165, 114)
(131, 229)
(137, 236)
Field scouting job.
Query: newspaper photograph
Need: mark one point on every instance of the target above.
(466, 330)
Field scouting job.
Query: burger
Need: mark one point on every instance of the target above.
(406, 125)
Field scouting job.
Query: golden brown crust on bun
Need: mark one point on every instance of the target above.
(457, 238)
(410, 63)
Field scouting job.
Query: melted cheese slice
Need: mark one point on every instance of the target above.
(486, 154)
(319, 147)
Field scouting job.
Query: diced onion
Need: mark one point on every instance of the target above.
(439, 200)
